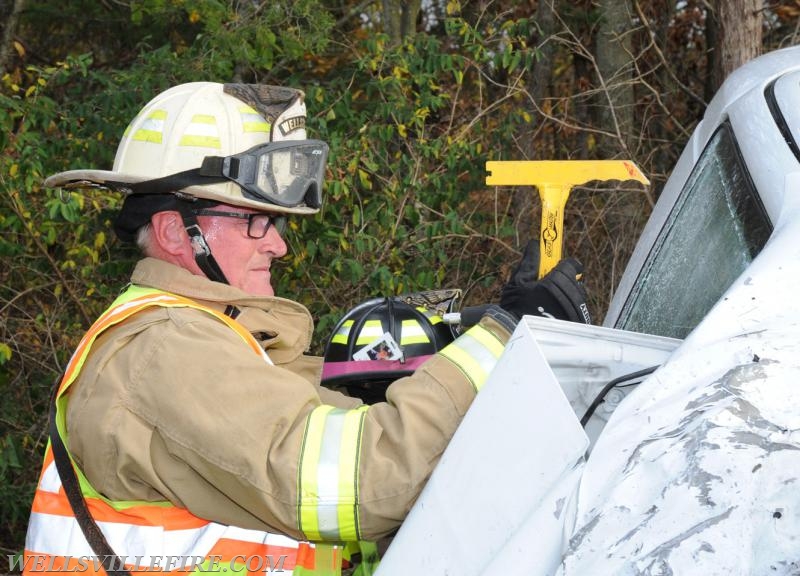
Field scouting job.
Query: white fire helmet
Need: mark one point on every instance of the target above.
(188, 124)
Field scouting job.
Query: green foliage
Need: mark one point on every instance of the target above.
(405, 180)
(226, 39)
(51, 250)
(15, 488)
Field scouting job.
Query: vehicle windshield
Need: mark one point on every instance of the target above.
(716, 228)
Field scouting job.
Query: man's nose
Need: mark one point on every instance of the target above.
(273, 242)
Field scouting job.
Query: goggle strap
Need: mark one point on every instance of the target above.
(174, 182)
(212, 167)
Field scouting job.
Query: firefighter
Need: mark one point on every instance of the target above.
(190, 429)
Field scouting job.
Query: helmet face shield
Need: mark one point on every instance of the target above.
(288, 173)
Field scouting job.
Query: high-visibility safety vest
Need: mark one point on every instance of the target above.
(158, 536)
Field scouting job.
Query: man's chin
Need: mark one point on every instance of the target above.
(260, 287)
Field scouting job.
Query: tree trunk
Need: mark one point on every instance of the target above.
(735, 28)
(400, 18)
(9, 30)
(535, 139)
(540, 77)
(615, 68)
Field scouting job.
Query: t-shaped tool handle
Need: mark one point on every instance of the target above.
(555, 179)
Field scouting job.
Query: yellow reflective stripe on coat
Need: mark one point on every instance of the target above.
(328, 474)
(475, 352)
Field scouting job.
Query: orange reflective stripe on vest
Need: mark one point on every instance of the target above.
(152, 536)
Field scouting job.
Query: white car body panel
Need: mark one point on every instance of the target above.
(697, 472)
(474, 470)
(517, 508)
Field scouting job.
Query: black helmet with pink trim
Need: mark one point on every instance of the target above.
(383, 339)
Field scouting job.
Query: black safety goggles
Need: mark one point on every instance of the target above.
(287, 174)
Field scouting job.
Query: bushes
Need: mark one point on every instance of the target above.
(57, 260)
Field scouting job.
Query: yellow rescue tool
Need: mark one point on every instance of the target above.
(555, 180)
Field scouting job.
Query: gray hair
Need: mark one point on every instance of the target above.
(144, 239)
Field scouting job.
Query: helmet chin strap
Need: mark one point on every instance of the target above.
(202, 252)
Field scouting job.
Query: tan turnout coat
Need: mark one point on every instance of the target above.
(172, 405)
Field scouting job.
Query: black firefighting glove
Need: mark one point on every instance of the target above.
(560, 294)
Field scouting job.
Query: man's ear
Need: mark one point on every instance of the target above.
(169, 233)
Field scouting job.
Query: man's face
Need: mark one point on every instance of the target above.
(245, 261)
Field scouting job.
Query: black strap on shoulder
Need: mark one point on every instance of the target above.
(113, 564)
(232, 311)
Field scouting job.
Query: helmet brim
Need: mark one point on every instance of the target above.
(110, 180)
(351, 371)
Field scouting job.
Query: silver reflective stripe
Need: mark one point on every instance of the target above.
(328, 474)
(340, 337)
(62, 536)
(371, 330)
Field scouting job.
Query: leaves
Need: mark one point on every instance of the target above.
(5, 352)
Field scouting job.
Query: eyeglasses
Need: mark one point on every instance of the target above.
(257, 224)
